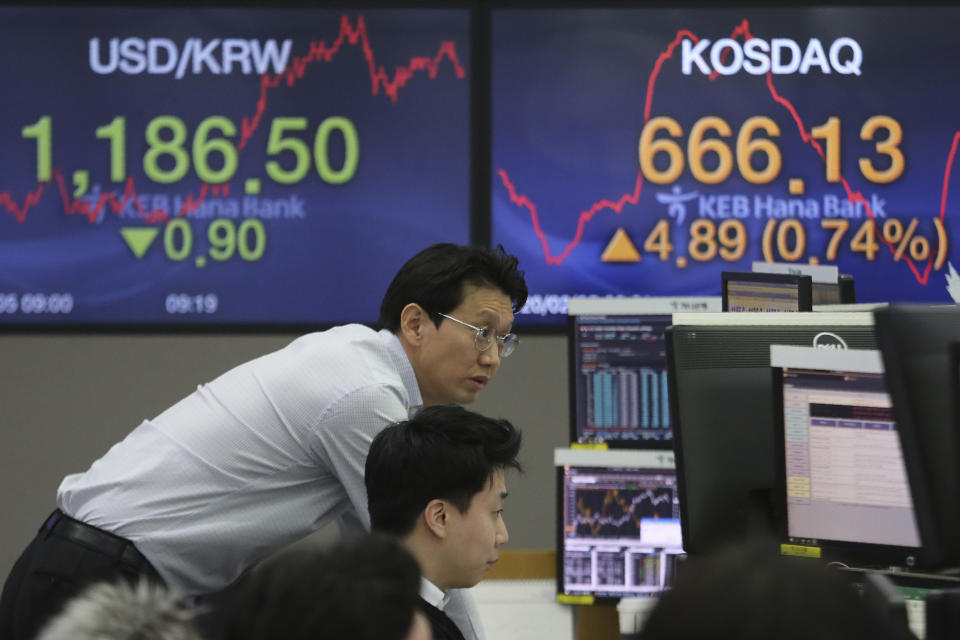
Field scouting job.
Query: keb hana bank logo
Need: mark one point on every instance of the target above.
(779, 56)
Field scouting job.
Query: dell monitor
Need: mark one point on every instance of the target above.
(618, 369)
(619, 529)
(841, 480)
(721, 400)
(917, 346)
(753, 291)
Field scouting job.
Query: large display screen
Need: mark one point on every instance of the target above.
(645, 151)
(226, 165)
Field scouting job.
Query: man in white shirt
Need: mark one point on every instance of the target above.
(436, 481)
(273, 449)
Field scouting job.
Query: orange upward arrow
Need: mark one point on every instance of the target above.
(620, 249)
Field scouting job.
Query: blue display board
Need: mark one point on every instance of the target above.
(642, 152)
(225, 166)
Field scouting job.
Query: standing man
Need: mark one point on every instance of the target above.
(275, 448)
(436, 481)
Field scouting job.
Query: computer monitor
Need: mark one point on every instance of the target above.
(841, 479)
(618, 369)
(619, 529)
(840, 292)
(828, 285)
(721, 401)
(916, 342)
(752, 291)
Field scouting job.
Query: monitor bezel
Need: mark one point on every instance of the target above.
(932, 462)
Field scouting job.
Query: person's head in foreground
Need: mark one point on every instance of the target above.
(748, 593)
(363, 589)
(437, 482)
(123, 611)
(452, 308)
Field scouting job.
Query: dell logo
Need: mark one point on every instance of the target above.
(827, 340)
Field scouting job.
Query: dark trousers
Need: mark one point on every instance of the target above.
(64, 557)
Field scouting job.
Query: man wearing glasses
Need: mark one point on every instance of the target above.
(273, 449)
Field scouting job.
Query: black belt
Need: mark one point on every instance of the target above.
(121, 549)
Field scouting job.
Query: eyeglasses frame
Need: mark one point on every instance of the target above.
(476, 337)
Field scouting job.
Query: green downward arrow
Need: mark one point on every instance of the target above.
(139, 239)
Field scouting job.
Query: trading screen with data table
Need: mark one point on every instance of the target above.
(845, 475)
(620, 380)
(621, 530)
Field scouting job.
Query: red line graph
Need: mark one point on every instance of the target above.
(633, 197)
(380, 80)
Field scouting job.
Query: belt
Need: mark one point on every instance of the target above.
(121, 549)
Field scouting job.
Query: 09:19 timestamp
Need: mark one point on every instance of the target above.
(186, 303)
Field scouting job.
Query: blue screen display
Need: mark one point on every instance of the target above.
(226, 166)
(645, 151)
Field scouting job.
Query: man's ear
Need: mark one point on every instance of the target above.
(413, 321)
(435, 517)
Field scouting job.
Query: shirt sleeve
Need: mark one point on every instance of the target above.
(342, 438)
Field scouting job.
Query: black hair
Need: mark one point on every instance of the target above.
(435, 277)
(363, 589)
(750, 593)
(444, 452)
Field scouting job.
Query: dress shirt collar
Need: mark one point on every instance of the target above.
(402, 362)
(433, 594)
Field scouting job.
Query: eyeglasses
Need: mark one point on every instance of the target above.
(484, 338)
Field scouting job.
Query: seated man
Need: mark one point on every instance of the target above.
(436, 481)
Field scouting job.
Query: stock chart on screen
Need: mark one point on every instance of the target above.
(225, 165)
(645, 151)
